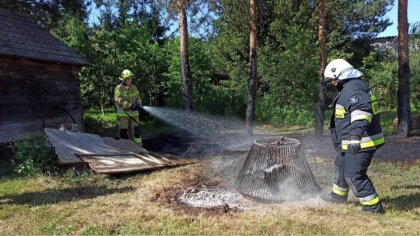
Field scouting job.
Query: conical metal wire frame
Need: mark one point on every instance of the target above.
(276, 171)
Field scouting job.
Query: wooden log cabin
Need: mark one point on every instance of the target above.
(39, 79)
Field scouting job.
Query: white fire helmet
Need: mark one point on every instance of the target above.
(341, 70)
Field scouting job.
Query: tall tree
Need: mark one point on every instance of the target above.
(181, 5)
(403, 72)
(192, 8)
(322, 64)
(252, 89)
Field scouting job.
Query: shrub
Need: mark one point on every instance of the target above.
(80, 177)
(33, 155)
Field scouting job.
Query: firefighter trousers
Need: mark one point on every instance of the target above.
(350, 171)
(129, 128)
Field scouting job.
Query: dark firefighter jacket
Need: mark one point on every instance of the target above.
(356, 114)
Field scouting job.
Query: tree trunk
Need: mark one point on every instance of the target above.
(250, 112)
(185, 63)
(403, 72)
(102, 108)
(322, 64)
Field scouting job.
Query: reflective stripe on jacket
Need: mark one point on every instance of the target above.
(356, 114)
(124, 96)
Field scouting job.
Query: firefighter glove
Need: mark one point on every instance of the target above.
(354, 144)
(335, 139)
(134, 106)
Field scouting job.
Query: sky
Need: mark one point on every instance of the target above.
(413, 13)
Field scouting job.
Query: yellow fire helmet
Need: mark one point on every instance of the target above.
(126, 74)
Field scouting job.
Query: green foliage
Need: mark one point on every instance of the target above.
(48, 13)
(207, 89)
(381, 74)
(33, 155)
(357, 19)
(130, 40)
(130, 35)
(288, 57)
(386, 122)
(291, 84)
(415, 71)
(75, 33)
(381, 70)
(283, 115)
(225, 100)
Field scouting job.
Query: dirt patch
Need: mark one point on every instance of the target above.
(397, 149)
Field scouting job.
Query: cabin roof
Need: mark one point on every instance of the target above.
(20, 36)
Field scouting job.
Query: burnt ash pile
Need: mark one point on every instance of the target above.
(214, 197)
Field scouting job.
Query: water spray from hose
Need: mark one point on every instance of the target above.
(224, 130)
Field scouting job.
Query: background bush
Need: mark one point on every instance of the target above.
(33, 155)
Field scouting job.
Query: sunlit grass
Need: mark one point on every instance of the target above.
(94, 204)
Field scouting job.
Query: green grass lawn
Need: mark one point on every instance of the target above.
(94, 204)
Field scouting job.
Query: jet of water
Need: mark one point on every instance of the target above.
(201, 125)
(225, 130)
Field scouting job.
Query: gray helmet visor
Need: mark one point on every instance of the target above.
(350, 74)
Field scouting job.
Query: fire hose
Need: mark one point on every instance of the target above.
(137, 107)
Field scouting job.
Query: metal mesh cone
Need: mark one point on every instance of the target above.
(275, 171)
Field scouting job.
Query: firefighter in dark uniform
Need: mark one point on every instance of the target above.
(356, 133)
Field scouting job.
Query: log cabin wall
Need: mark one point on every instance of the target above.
(37, 94)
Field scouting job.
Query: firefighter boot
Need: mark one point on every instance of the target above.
(378, 208)
(123, 134)
(334, 198)
(137, 135)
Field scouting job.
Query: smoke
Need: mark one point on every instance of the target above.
(223, 140)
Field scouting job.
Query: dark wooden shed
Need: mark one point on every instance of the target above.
(39, 79)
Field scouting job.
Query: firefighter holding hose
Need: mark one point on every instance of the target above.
(127, 101)
(356, 133)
